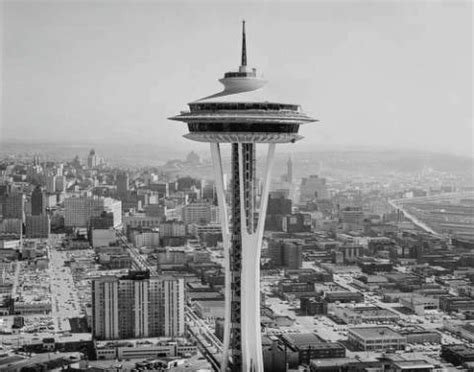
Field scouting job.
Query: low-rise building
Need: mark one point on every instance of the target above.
(418, 304)
(457, 354)
(343, 297)
(313, 306)
(376, 339)
(309, 346)
(143, 349)
(358, 315)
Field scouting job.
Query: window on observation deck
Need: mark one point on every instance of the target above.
(243, 127)
(262, 106)
(240, 74)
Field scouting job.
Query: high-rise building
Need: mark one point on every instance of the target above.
(105, 308)
(37, 226)
(137, 305)
(37, 201)
(278, 207)
(92, 160)
(242, 115)
(60, 183)
(289, 170)
(14, 206)
(292, 255)
(313, 188)
(51, 184)
(122, 184)
(286, 254)
(297, 223)
(78, 211)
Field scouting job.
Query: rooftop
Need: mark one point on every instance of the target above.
(302, 339)
(375, 332)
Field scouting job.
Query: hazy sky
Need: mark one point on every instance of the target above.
(387, 73)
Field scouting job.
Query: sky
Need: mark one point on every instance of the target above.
(390, 74)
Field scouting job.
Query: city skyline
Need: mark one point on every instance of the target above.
(392, 75)
(125, 248)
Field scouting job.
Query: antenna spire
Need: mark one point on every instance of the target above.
(244, 46)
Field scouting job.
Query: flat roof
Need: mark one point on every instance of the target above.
(332, 362)
(413, 364)
(302, 339)
(375, 332)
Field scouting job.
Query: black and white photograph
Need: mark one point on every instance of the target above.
(236, 186)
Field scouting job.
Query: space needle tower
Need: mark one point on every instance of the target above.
(242, 115)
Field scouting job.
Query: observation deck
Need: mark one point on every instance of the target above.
(243, 112)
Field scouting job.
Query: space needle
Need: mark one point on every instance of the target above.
(243, 114)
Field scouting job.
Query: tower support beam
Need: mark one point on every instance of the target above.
(224, 218)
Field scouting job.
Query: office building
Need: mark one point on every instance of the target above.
(60, 183)
(243, 115)
(78, 211)
(11, 226)
(137, 305)
(172, 229)
(313, 306)
(51, 184)
(201, 213)
(297, 223)
(37, 226)
(38, 204)
(14, 206)
(288, 254)
(92, 160)
(148, 239)
(376, 339)
(309, 346)
(313, 188)
(352, 218)
(122, 184)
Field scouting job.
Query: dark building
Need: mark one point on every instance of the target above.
(309, 275)
(277, 357)
(37, 202)
(278, 207)
(286, 254)
(14, 206)
(297, 223)
(296, 289)
(313, 306)
(278, 204)
(104, 221)
(370, 265)
(457, 354)
(309, 346)
(122, 184)
(344, 297)
(450, 304)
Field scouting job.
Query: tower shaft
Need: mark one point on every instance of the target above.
(242, 184)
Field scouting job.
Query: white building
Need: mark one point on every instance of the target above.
(200, 213)
(172, 229)
(149, 239)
